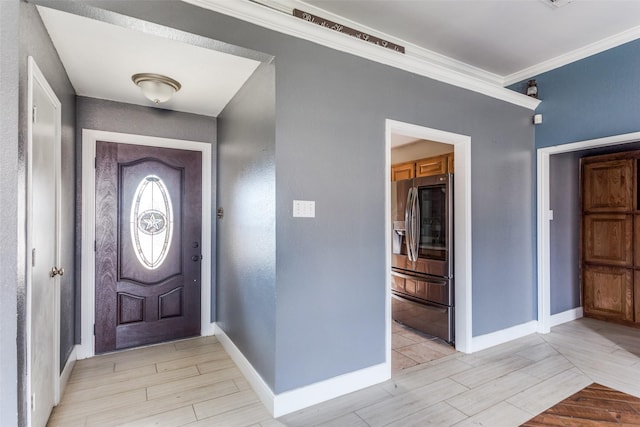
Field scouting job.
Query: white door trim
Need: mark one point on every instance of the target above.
(89, 138)
(35, 76)
(543, 217)
(462, 225)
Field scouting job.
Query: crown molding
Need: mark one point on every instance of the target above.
(287, 6)
(275, 15)
(573, 56)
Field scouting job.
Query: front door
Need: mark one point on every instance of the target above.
(148, 231)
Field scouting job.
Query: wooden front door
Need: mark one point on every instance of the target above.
(148, 230)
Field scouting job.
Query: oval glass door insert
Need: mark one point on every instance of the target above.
(151, 222)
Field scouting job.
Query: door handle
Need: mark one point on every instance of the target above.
(55, 271)
(409, 224)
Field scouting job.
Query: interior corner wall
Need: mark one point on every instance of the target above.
(247, 232)
(12, 283)
(330, 117)
(99, 114)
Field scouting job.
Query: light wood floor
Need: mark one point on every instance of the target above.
(194, 382)
(410, 347)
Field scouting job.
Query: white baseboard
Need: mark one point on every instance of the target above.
(68, 367)
(208, 329)
(294, 400)
(253, 377)
(502, 336)
(566, 316)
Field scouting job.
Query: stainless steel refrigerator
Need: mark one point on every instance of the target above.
(422, 282)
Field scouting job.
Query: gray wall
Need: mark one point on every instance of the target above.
(12, 271)
(247, 233)
(330, 113)
(98, 114)
(564, 200)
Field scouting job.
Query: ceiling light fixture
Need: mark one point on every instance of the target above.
(556, 4)
(156, 87)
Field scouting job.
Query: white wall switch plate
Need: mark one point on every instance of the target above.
(537, 119)
(304, 209)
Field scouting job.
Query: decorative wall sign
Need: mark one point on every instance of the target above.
(346, 30)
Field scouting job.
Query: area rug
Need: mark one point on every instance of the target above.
(594, 405)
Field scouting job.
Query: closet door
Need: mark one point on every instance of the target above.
(608, 235)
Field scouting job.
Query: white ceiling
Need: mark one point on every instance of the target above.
(503, 37)
(100, 59)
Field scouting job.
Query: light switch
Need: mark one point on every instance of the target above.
(304, 208)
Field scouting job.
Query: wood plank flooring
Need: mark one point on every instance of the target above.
(194, 382)
(594, 405)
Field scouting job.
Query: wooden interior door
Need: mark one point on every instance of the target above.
(148, 230)
(608, 260)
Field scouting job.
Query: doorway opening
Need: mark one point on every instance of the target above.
(442, 142)
(545, 215)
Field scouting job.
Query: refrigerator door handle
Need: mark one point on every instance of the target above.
(408, 225)
(416, 225)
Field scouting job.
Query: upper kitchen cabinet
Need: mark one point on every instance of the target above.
(403, 171)
(432, 165)
(429, 166)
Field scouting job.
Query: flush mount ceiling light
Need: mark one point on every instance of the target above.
(156, 87)
(556, 4)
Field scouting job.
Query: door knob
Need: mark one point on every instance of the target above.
(196, 258)
(56, 272)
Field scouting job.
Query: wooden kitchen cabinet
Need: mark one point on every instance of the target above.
(428, 166)
(403, 171)
(432, 166)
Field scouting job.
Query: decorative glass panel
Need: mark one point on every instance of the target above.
(151, 222)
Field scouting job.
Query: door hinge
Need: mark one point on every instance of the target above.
(95, 246)
(34, 112)
(33, 402)
(94, 329)
(33, 257)
(95, 163)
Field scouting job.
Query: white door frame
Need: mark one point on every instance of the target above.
(89, 138)
(543, 216)
(35, 76)
(462, 225)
